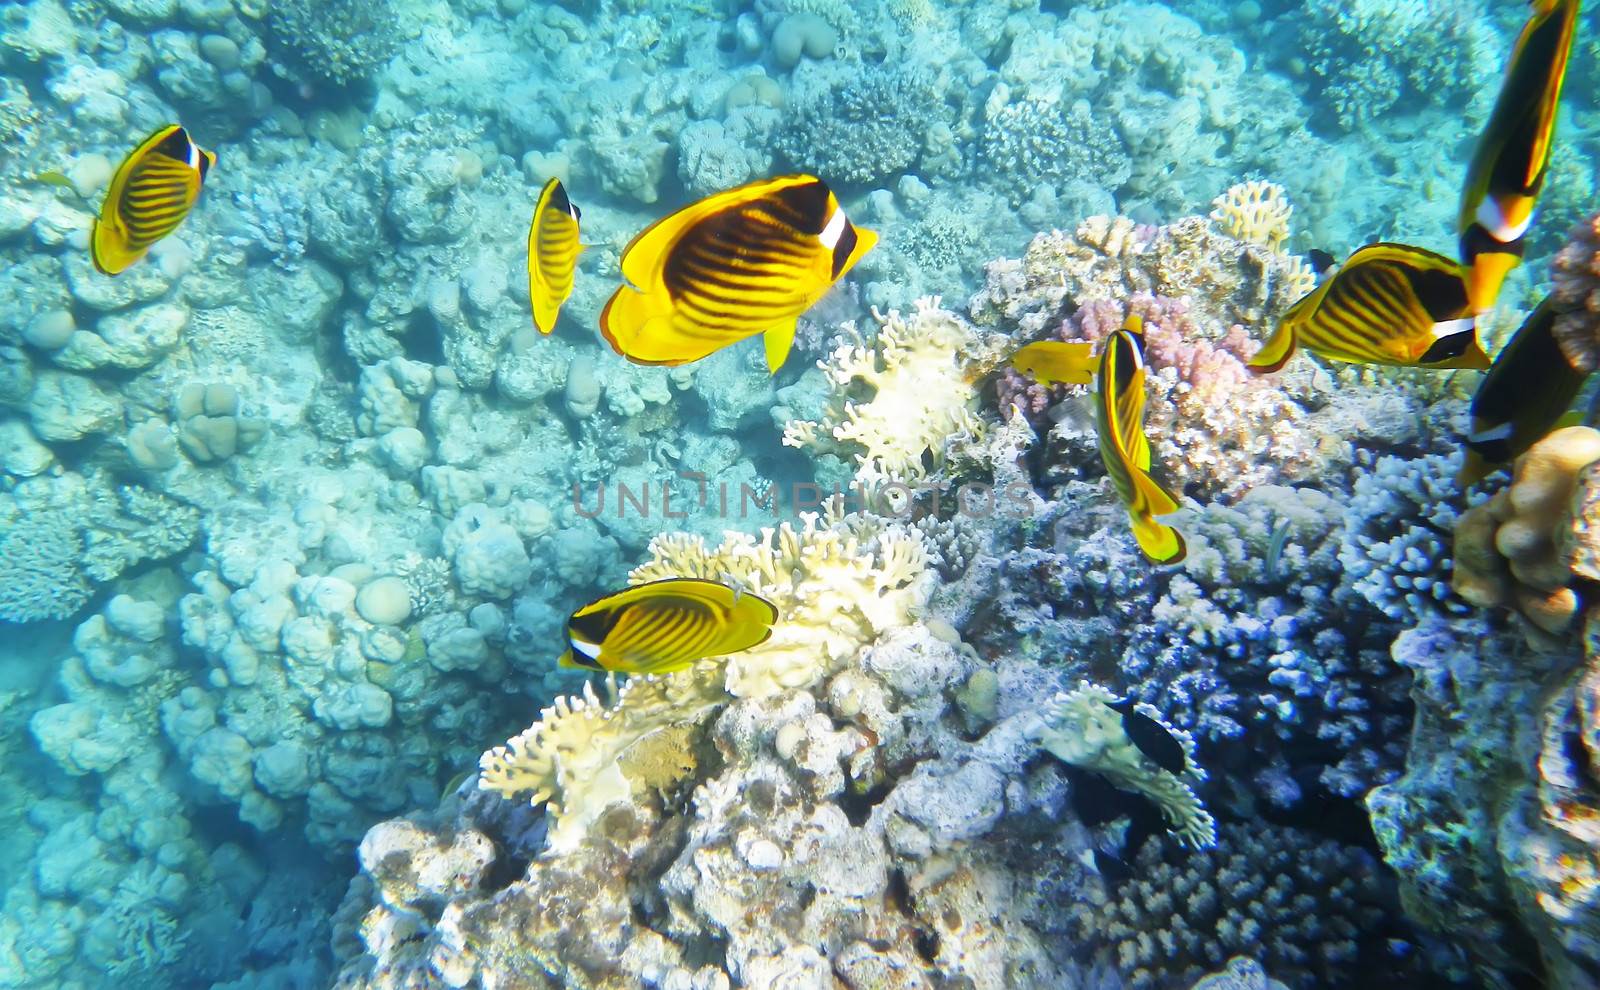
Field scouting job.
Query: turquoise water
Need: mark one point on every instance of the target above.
(293, 511)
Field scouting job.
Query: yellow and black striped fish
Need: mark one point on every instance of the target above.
(152, 192)
(666, 625)
(553, 251)
(1126, 450)
(1388, 304)
(1508, 169)
(742, 262)
(1055, 362)
(1522, 399)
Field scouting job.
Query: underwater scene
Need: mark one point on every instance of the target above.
(799, 494)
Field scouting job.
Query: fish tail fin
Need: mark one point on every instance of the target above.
(1160, 543)
(544, 315)
(778, 341)
(1275, 353)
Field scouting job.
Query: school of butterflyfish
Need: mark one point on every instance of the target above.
(1392, 304)
(751, 260)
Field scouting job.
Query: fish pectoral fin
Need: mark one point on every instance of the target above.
(1274, 353)
(779, 340)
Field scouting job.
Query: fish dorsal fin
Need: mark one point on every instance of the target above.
(645, 256)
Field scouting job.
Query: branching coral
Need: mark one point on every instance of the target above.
(1081, 728)
(1254, 211)
(896, 402)
(1034, 144)
(341, 41)
(1226, 280)
(1214, 428)
(1305, 907)
(862, 132)
(64, 536)
(836, 590)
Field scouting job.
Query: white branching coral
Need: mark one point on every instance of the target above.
(1081, 728)
(902, 397)
(1255, 211)
(837, 589)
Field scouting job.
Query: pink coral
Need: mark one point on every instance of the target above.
(1575, 291)
(1215, 429)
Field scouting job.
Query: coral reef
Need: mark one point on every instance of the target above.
(898, 401)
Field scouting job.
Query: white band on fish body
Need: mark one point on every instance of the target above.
(590, 650)
(1449, 328)
(1501, 432)
(1490, 218)
(833, 231)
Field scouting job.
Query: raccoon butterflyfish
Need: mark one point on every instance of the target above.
(151, 193)
(1052, 362)
(742, 262)
(553, 251)
(1126, 450)
(666, 625)
(1523, 397)
(1387, 304)
(1513, 154)
(1151, 737)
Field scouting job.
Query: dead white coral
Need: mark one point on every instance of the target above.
(902, 398)
(1081, 728)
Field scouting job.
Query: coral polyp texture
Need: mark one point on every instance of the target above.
(294, 511)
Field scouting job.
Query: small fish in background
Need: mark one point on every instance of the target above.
(151, 193)
(1525, 396)
(743, 262)
(553, 251)
(665, 626)
(1151, 738)
(1513, 155)
(57, 179)
(1387, 304)
(1054, 362)
(1126, 450)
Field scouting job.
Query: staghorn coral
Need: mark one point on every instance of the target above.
(836, 590)
(896, 402)
(1082, 729)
